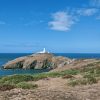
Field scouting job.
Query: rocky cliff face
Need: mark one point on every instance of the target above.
(38, 61)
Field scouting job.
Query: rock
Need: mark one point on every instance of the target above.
(17, 63)
(60, 61)
(38, 61)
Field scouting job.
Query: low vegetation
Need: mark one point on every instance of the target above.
(14, 79)
(5, 87)
(90, 74)
(83, 81)
(25, 85)
(20, 81)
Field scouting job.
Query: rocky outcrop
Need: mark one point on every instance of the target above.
(38, 61)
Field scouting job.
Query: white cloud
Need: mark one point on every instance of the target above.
(2, 23)
(62, 21)
(98, 17)
(95, 3)
(87, 11)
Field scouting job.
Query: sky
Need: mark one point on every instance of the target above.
(60, 26)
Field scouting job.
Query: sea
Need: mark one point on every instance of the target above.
(5, 57)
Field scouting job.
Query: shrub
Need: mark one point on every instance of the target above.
(83, 81)
(5, 87)
(73, 82)
(70, 72)
(25, 85)
(91, 80)
(14, 79)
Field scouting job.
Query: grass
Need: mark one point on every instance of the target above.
(5, 87)
(82, 81)
(25, 85)
(14, 79)
(20, 81)
(90, 75)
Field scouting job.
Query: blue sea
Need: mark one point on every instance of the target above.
(5, 57)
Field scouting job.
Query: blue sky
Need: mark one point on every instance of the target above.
(67, 26)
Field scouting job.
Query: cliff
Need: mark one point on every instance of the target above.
(38, 61)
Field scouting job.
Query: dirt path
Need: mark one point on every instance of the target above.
(52, 84)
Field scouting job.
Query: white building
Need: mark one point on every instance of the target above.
(44, 51)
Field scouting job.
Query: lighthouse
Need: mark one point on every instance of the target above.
(44, 51)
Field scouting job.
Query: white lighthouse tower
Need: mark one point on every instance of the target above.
(44, 51)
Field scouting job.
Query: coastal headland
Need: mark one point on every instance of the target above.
(38, 61)
(68, 79)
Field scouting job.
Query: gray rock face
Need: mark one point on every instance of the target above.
(38, 61)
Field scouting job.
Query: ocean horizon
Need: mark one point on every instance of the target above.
(5, 57)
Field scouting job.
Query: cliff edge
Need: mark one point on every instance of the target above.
(38, 61)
